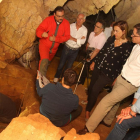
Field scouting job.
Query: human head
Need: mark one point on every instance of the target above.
(120, 29)
(70, 77)
(136, 34)
(99, 27)
(59, 14)
(80, 19)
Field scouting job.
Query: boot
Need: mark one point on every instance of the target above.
(44, 66)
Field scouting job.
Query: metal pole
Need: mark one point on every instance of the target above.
(79, 77)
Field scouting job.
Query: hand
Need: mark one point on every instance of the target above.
(92, 66)
(37, 77)
(126, 111)
(88, 60)
(52, 38)
(45, 34)
(120, 118)
(72, 38)
(114, 82)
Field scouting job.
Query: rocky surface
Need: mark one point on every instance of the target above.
(89, 7)
(18, 84)
(128, 10)
(19, 20)
(33, 127)
(38, 127)
(72, 135)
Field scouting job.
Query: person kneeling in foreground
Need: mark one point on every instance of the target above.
(129, 118)
(59, 104)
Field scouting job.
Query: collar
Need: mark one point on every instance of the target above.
(56, 21)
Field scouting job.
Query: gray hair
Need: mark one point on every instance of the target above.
(82, 14)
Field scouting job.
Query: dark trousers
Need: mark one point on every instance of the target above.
(132, 134)
(85, 73)
(68, 56)
(98, 81)
(74, 114)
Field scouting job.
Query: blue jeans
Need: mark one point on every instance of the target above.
(68, 56)
(119, 131)
(132, 134)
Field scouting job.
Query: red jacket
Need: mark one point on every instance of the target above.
(49, 25)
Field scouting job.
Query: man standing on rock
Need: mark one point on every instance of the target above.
(52, 31)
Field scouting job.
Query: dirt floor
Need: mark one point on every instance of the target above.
(79, 123)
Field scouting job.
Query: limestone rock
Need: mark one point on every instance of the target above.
(18, 23)
(33, 127)
(71, 135)
(17, 86)
(38, 127)
(3, 64)
(88, 7)
(128, 10)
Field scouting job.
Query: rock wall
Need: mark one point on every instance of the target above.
(19, 20)
(18, 23)
(128, 10)
(89, 7)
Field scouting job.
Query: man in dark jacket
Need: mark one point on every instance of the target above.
(59, 104)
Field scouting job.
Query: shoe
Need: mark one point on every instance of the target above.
(83, 131)
(107, 125)
(55, 80)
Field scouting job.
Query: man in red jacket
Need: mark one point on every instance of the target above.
(52, 31)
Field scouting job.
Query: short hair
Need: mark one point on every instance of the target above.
(70, 77)
(102, 22)
(58, 8)
(123, 26)
(137, 26)
(82, 14)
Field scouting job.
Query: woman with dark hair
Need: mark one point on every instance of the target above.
(108, 63)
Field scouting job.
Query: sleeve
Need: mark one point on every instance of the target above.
(137, 94)
(89, 38)
(101, 43)
(82, 41)
(42, 28)
(66, 36)
(136, 106)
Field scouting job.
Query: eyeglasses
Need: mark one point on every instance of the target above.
(97, 26)
(59, 16)
(134, 35)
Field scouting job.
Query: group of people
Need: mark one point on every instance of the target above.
(113, 61)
